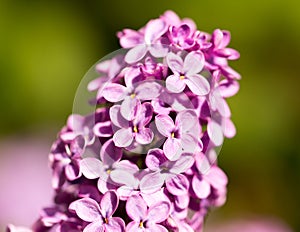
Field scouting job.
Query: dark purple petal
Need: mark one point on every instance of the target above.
(103, 129)
(110, 153)
(109, 203)
(155, 158)
(87, 209)
(136, 208)
(72, 171)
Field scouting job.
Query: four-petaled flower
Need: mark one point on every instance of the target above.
(99, 215)
(146, 219)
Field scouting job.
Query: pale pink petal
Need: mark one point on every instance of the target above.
(155, 158)
(154, 29)
(116, 117)
(96, 226)
(144, 114)
(115, 224)
(87, 209)
(201, 187)
(181, 165)
(129, 107)
(197, 84)
(124, 177)
(228, 88)
(72, 171)
(188, 122)
(172, 148)
(103, 129)
(182, 201)
(136, 208)
(189, 144)
(216, 177)
(229, 129)
(215, 133)
(158, 50)
(113, 92)
(177, 185)
(144, 136)
(91, 167)
(193, 63)
(123, 137)
(134, 226)
(175, 84)
(152, 182)
(164, 124)
(175, 63)
(156, 228)
(148, 90)
(159, 212)
(136, 54)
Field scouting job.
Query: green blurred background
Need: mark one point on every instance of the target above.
(47, 46)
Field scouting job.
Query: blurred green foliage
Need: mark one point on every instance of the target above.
(47, 46)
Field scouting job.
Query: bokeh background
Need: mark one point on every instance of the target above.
(47, 46)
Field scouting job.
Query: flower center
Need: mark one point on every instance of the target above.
(132, 95)
(141, 225)
(68, 151)
(181, 77)
(135, 129)
(106, 220)
(173, 135)
(108, 171)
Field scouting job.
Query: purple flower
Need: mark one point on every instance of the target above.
(207, 177)
(163, 169)
(151, 42)
(110, 155)
(182, 136)
(182, 37)
(99, 215)
(135, 129)
(64, 160)
(186, 73)
(144, 218)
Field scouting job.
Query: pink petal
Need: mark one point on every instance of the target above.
(156, 228)
(172, 148)
(228, 88)
(216, 177)
(124, 177)
(164, 124)
(159, 212)
(110, 154)
(187, 121)
(136, 208)
(136, 54)
(182, 201)
(129, 107)
(152, 182)
(87, 209)
(72, 172)
(154, 29)
(113, 92)
(219, 103)
(96, 226)
(144, 114)
(215, 133)
(229, 129)
(200, 187)
(177, 185)
(123, 137)
(174, 84)
(198, 84)
(158, 50)
(193, 63)
(130, 38)
(133, 226)
(175, 63)
(91, 167)
(148, 90)
(144, 136)
(189, 144)
(115, 224)
(109, 203)
(181, 165)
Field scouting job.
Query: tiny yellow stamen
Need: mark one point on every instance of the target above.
(106, 220)
(68, 151)
(141, 224)
(135, 129)
(108, 171)
(173, 135)
(132, 95)
(181, 77)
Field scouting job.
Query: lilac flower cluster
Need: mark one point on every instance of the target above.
(145, 160)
